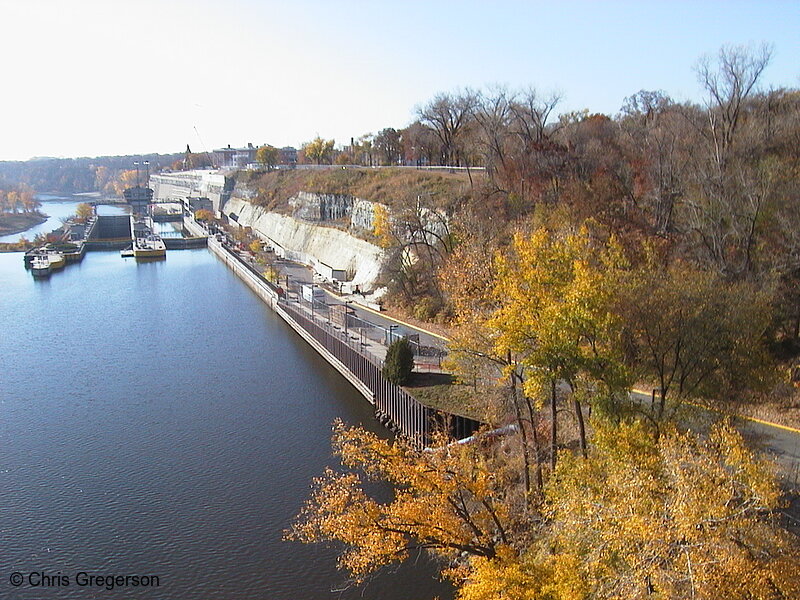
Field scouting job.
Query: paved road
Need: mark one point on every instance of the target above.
(780, 443)
(301, 274)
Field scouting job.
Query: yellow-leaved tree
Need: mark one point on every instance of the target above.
(454, 501)
(555, 296)
(638, 512)
(83, 212)
(671, 517)
(382, 225)
(268, 156)
(683, 516)
(318, 150)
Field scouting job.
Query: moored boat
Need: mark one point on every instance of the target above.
(57, 260)
(40, 266)
(151, 246)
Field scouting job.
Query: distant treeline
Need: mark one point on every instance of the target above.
(70, 175)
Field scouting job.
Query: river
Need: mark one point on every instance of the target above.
(158, 419)
(57, 208)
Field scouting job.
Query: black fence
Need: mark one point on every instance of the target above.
(395, 408)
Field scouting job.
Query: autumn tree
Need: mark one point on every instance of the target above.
(18, 198)
(451, 502)
(448, 116)
(694, 334)
(364, 150)
(678, 516)
(13, 201)
(204, 214)
(268, 156)
(470, 279)
(388, 147)
(83, 212)
(102, 175)
(420, 144)
(723, 214)
(419, 239)
(382, 225)
(192, 160)
(124, 180)
(682, 516)
(493, 115)
(659, 136)
(555, 293)
(318, 150)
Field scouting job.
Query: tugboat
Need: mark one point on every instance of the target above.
(40, 266)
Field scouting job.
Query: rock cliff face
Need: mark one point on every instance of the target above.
(356, 213)
(309, 243)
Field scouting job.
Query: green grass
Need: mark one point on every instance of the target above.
(439, 390)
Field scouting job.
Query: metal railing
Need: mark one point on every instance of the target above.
(393, 406)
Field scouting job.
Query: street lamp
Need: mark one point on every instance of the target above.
(391, 333)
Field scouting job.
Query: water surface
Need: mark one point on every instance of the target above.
(57, 208)
(157, 418)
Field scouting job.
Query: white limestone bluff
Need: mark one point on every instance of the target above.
(324, 247)
(325, 231)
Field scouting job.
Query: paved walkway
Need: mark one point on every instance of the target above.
(376, 323)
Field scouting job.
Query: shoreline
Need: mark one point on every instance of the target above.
(23, 223)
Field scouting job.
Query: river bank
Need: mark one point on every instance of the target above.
(12, 223)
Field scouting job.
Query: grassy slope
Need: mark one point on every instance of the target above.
(441, 391)
(389, 186)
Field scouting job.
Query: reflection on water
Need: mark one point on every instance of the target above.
(58, 208)
(168, 230)
(156, 418)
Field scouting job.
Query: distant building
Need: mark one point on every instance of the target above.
(245, 158)
(193, 189)
(236, 158)
(288, 156)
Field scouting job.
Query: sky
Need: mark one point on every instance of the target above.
(114, 77)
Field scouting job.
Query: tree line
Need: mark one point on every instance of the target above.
(658, 246)
(72, 175)
(714, 184)
(18, 199)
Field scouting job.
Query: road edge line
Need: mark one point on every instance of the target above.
(744, 417)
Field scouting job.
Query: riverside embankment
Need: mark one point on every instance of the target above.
(393, 406)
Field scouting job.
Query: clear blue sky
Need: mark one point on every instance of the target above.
(96, 77)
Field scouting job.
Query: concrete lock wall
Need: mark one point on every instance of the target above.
(175, 187)
(307, 242)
